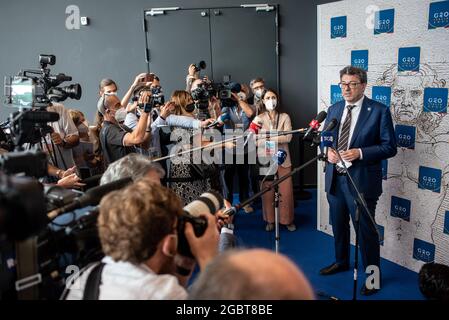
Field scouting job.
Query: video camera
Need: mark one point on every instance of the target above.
(157, 98)
(225, 91)
(35, 90)
(38, 88)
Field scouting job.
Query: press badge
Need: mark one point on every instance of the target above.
(270, 148)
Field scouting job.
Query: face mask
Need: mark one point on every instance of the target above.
(83, 129)
(271, 104)
(242, 95)
(120, 114)
(190, 107)
(258, 93)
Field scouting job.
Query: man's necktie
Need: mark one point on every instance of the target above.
(344, 136)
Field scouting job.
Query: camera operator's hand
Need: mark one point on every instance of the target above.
(167, 109)
(139, 79)
(71, 181)
(234, 96)
(222, 218)
(192, 72)
(214, 106)
(56, 138)
(206, 122)
(131, 107)
(204, 248)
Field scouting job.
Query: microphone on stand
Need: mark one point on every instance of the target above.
(220, 120)
(327, 139)
(278, 158)
(315, 123)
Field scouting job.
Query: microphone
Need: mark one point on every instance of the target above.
(91, 197)
(253, 129)
(327, 139)
(220, 120)
(331, 125)
(315, 123)
(278, 158)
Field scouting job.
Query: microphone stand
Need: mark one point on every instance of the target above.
(359, 203)
(273, 186)
(277, 237)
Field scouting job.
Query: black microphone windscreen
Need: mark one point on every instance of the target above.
(331, 125)
(94, 195)
(321, 116)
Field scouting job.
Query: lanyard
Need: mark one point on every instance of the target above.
(277, 122)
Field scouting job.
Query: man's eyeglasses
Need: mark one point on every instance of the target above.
(351, 85)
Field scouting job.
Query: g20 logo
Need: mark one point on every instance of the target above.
(441, 15)
(359, 58)
(383, 23)
(338, 27)
(406, 137)
(424, 251)
(409, 59)
(381, 98)
(430, 179)
(400, 208)
(435, 100)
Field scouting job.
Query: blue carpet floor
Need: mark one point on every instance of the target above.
(312, 250)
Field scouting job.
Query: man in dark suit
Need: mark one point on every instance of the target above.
(364, 136)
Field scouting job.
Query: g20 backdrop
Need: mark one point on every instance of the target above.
(404, 46)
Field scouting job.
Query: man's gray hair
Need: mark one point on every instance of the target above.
(253, 81)
(133, 165)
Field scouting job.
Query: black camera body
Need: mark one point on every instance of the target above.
(157, 98)
(38, 88)
(225, 91)
(199, 227)
(208, 203)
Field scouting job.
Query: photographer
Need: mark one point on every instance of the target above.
(133, 165)
(184, 177)
(239, 113)
(139, 238)
(118, 140)
(63, 138)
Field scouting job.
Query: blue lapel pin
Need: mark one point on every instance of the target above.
(369, 108)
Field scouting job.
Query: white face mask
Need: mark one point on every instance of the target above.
(120, 114)
(83, 129)
(271, 104)
(258, 93)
